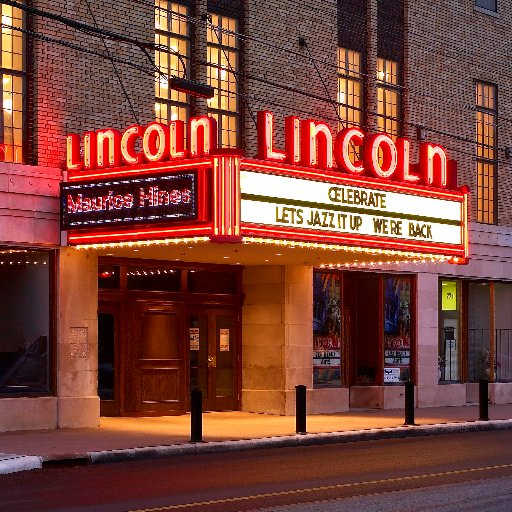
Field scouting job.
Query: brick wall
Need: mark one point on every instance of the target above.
(75, 92)
(449, 48)
(281, 23)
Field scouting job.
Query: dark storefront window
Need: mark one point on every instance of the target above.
(326, 330)
(153, 278)
(25, 340)
(475, 320)
(368, 316)
(108, 277)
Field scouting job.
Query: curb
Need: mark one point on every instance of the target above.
(291, 441)
(14, 463)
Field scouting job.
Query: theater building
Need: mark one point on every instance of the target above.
(241, 208)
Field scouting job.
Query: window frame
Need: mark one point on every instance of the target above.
(484, 9)
(388, 87)
(223, 50)
(180, 103)
(15, 74)
(486, 215)
(52, 327)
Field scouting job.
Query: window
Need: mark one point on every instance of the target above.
(350, 87)
(172, 31)
(350, 93)
(12, 120)
(388, 97)
(326, 330)
(449, 332)
(25, 309)
(475, 331)
(486, 153)
(363, 328)
(397, 328)
(222, 69)
(488, 5)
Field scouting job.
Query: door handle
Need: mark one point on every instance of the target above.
(212, 362)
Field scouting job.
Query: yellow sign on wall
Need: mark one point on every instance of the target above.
(449, 295)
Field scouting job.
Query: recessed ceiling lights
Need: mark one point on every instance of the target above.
(278, 254)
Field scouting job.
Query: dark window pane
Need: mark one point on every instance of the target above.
(24, 321)
(108, 277)
(204, 281)
(155, 279)
(490, 5)
(106, 343)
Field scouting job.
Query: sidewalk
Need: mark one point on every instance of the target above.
(130, 438)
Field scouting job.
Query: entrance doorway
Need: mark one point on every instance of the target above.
(213, 356)
(163, 331)
(363, 319)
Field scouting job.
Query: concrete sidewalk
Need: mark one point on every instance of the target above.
(131, 438)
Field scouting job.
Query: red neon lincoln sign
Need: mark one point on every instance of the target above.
(307, 143)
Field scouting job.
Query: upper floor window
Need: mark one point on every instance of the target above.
(388, 97)
(350, 87)
(172, 32)
(12, 120)
(489, 5)
(222, 68)
(350, 92)
(486, 152)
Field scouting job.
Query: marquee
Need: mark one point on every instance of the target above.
(354, 189)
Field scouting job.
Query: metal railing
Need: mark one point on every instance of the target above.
(479, 355)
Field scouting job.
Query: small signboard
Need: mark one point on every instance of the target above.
(224, 340)
(391, 374)
(397, 357)
(193, 333)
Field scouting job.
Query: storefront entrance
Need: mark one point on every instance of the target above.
(213, 356)
(154, 346)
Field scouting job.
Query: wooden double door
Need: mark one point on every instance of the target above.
(158, 351)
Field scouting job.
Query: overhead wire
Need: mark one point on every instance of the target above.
(119, 78)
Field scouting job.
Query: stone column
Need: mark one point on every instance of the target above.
(77, 354)
(276, 337)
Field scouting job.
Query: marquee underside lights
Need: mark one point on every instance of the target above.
(143, 186)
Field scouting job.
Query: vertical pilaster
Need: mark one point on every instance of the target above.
(371, 65)
(77, 354)
(277, 337)
(200, 106)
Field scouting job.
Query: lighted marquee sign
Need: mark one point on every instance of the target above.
(142, 200)
(145, 183)
(336, 208)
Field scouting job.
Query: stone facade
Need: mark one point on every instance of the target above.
(288, 65)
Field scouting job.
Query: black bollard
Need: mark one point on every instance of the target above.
(409, 403)
(483, 395)
(196, 416)
(300, 409)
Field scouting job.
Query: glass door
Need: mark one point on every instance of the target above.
(213, 337)
(108, 358)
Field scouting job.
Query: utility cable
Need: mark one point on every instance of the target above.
(119, 78)
(214, 29)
